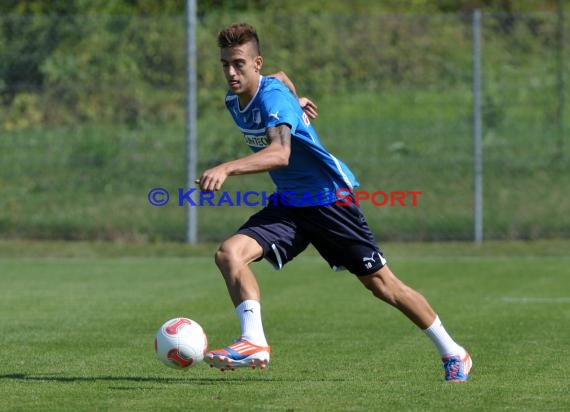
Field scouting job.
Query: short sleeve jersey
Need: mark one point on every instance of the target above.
(313, 175)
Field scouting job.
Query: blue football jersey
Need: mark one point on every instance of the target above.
(313, 175)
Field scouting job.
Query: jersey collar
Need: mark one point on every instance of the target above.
(254, 96)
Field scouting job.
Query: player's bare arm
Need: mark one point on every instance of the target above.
(274, 156)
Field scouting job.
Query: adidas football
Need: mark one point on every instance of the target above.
(180, 343)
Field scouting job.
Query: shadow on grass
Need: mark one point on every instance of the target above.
(229, 377)
(137, 379)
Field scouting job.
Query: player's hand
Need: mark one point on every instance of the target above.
(212, 179)
(309, 107)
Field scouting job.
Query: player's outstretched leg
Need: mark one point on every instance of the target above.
(387, 287)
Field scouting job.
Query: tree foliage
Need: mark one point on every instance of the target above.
(124, 60)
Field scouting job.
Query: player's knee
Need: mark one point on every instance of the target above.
(236, 252)
(233, 253)
(382, 292)
(385, 287)
(226, 256)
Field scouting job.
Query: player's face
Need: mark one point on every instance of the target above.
(241, 66)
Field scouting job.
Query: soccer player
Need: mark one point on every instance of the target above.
(303, 210)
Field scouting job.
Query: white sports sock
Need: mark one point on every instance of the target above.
(443, 342)
(249, 314)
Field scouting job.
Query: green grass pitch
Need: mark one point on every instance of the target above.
(77, 331)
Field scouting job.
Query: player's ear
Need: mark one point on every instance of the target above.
(258, 63)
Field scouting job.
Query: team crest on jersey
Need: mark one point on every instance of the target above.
(256, 115)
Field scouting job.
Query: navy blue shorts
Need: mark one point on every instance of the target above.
(339, 233)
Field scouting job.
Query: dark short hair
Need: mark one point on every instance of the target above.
(238, 34)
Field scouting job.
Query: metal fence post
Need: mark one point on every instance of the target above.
(191, 126)
(560, 77)
(477, 132)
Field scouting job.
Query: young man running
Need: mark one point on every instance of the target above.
(285, 144)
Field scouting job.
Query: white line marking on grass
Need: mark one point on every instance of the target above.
(535, 299)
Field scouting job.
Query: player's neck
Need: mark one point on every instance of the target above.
(246, 97)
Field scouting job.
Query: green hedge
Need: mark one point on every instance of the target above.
(60, 70)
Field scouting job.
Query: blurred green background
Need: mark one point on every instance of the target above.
(93, 107)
